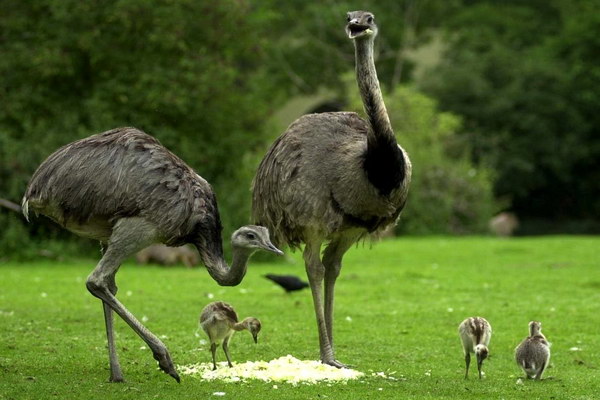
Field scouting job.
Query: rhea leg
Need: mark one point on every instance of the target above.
(128, 236)
(226, 351)
(538, 376)
(332, 261)
(213, 350)
(467, 362)
(315, 272)
(115, 368)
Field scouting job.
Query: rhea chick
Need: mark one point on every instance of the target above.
(475, 334)
(533, 353)
(219, 320)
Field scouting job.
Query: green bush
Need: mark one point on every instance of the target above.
(187, 72)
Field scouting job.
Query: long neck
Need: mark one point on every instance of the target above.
(384, 162)
(240, 326)
(534, 329)
(368, 84)
(219, 270)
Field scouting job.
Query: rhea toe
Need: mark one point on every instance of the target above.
(533, 353)
(475, 334)
(220, 321)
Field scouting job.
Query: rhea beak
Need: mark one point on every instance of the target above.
(479, 364)
(355, 29)
(270, 247)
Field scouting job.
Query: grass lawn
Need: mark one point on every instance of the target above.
(398, 306)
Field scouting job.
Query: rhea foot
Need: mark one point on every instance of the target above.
(335, 363)
(116, 379)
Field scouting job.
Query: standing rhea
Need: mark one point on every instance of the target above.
(334, 178)
(220, 322)
(123, 188)
(533, 353)
(475, 334)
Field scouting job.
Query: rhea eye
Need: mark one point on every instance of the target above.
(348, 18)
(250, 236)
(370, 19)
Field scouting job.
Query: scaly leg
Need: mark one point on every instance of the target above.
(315, 272)
(115, 368)
(467, 362)
(213, 350)
(332, 261)
(129, 235)
(538, 376)
(226, 350)
(116, 375)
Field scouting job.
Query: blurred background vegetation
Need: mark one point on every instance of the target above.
(497, 102)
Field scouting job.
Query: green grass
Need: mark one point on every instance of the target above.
(405, 298)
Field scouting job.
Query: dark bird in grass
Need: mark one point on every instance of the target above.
(124, 189)
(333, 178)
(290, 283)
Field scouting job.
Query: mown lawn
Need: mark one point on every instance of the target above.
(398, 307)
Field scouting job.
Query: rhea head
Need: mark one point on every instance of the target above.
(361, 25)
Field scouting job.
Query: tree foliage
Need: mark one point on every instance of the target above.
(186, 72)
(525, 76)
(204, 78)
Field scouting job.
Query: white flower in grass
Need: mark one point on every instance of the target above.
(128, 293)
(210, 296)
(243, 291)
(428, 373)
(44, 294)
(144, 319)
(575, 348)
(143, 347)
(450, 309)
(275, 387)
(219, 394)
(519, 381)
(349, 318)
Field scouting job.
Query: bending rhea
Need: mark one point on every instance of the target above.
(475, 334)
(220, 321)
(124, 189)
(334, 178)
(533, 353)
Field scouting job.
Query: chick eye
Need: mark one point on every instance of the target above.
(348, 18)
(250, 236)
(370, 20)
